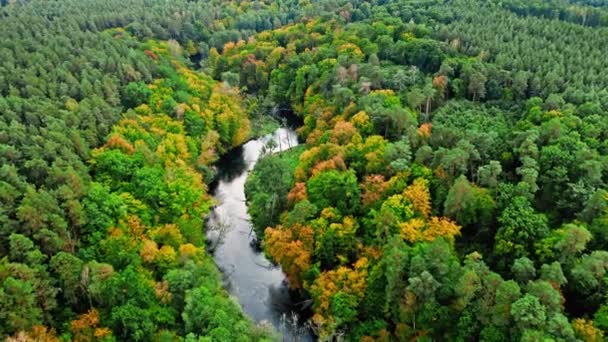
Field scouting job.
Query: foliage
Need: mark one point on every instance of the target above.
(491, 113)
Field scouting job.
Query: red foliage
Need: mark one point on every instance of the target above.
(151, 55)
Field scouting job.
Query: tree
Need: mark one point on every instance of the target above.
(18, 306)
(528, 312)
(519, 227)
(415, 99)
(488, 174)
(136, 93)
(335, 189)
(429, 92)
(477, 85)
(553, 274)
(267, 190)
(468, 204)
(398, 155)
(523, 270)
(292, 248)
(68, 269)
(587, 278)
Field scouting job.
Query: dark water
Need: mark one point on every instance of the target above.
(258, 285)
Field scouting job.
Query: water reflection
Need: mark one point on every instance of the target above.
(258, 285)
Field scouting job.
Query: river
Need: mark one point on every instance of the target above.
(259, 286)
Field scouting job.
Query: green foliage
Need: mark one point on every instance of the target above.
(501, 104)
(135, 94)
(335, 189)
(267, 188)
(468, 204)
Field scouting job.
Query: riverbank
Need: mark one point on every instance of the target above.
(257, 284)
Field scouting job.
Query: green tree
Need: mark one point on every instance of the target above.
(335, 189)
(519, 227)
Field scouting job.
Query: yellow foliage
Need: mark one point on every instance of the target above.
(418, 194)
(385, 92)
(148, 251)
(351, 281)
(417, 230)
(39, 333)
(166, 255)
(188, 251)
(351, 49)
(169, 234)
(586, 331)
(71, 105)
(173, 147)
(441, 227)
(412, 229)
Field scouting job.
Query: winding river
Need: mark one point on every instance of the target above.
(259, 286)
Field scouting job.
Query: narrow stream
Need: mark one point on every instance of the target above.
(258, 285)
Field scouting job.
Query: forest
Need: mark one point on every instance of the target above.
(451, 183)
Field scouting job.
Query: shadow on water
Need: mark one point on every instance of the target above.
(258, 285)
(231, 165)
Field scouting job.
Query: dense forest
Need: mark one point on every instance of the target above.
(451, 184)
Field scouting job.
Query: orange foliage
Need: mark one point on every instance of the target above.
(335, 163)
(325, 117)
(425, 130)
(117, 142)
(148, 251)
(136, 228)
(102, 333)
(228, 46)
(370, 252)
(314, 137)
(319, 158)
(344, 133)
(208, 148)
(440, 173)
(418, 194)
(86, 327)
(151, 55)
(297, 193)
(115, 232)
(292, 248)
(440, 83)
(373, 187)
